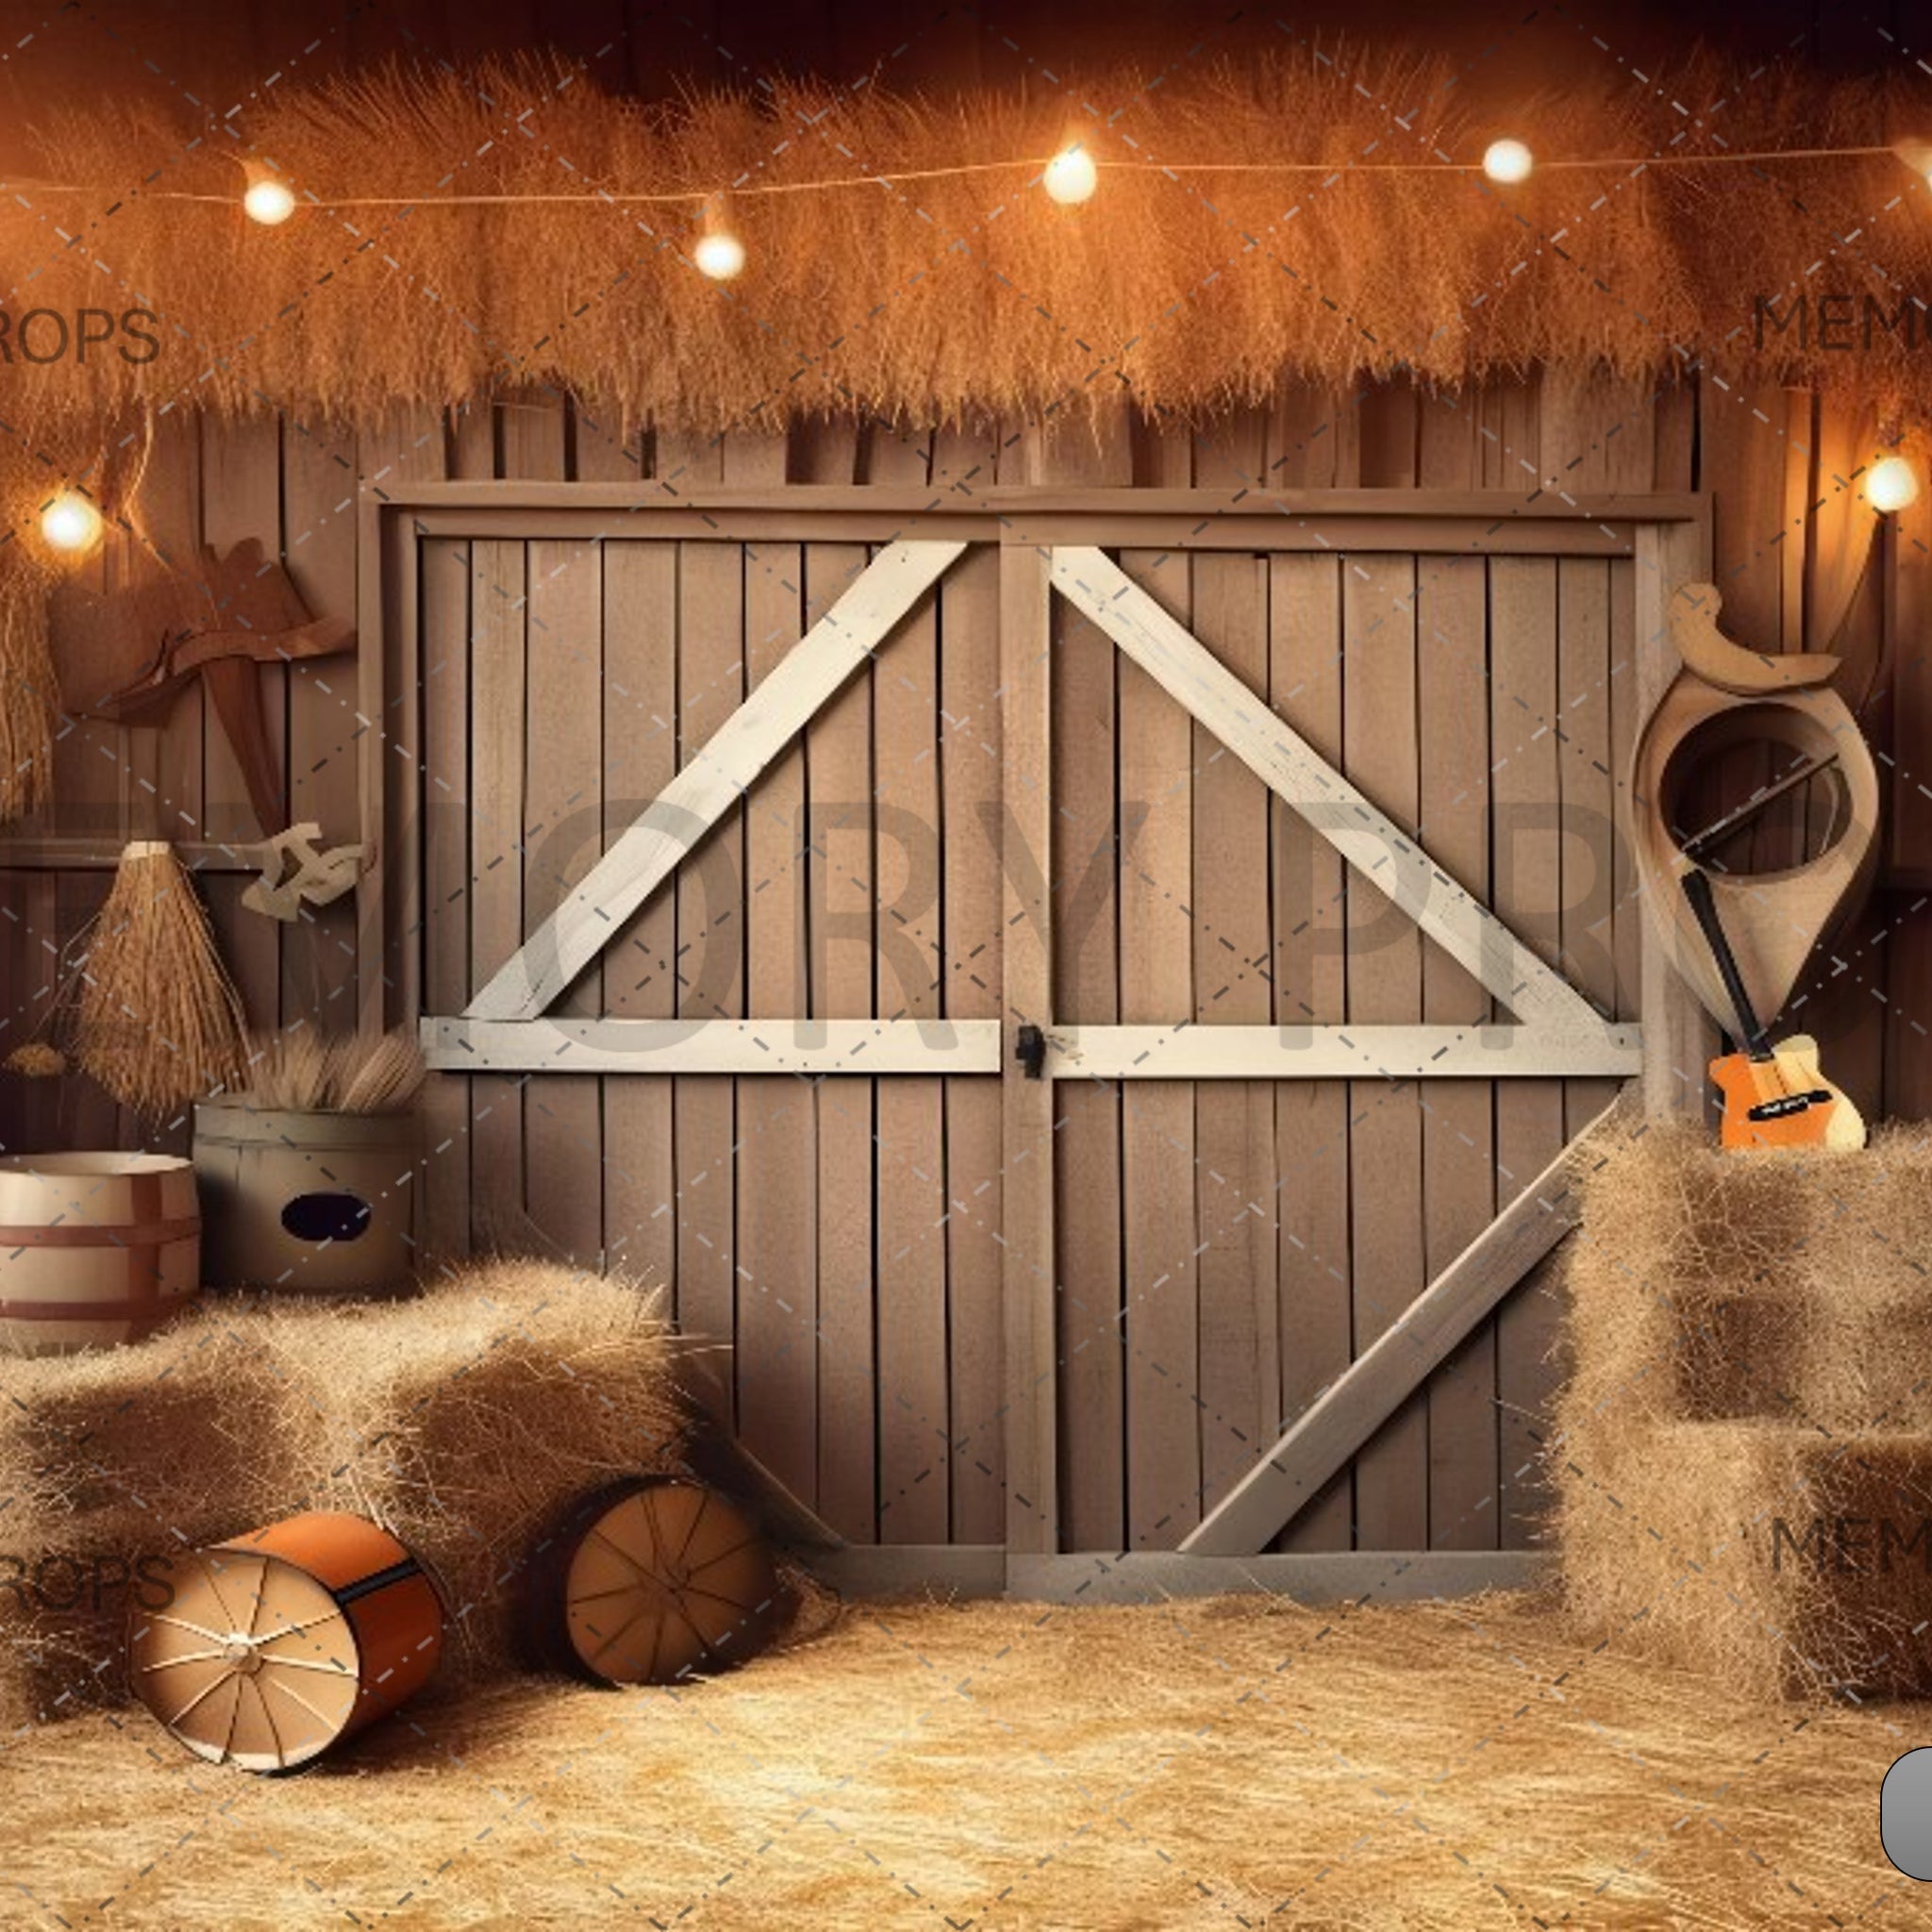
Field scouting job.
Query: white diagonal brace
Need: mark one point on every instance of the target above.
(589, 916)
(1328, 1433)
(1466, 929)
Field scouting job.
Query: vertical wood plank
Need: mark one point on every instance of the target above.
(318, 978)
(639, 966)
(1032, 1441)
(1161, 1271)
(1523, 752)
(1384, 985)
(710, 934)
(498, 603)
(838, 754)
(1312, 1119)
(777, 1127)
(1459, 1145)
(1233, 1121)
(970, 764)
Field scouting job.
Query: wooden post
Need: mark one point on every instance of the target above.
(1027, 1108)
(1678, 1039)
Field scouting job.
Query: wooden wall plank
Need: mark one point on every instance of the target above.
(498, 602)
(778, 1128)
(709, 952)
(1527, 886)
(1082, 862)
(1311, 1119)
(563, 810)
(639, 966)
(839, 747)
(319, 545)
(241, 498)
(1233, 984)
(1459, 1143)
(970, 758)
(1161, 1271)
(1384, 966)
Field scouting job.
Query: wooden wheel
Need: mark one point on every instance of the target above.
(254, 1664)
(667, 1580)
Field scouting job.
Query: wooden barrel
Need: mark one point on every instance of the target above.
(655, 1581)
(95, 1249)
(281, 1643)
(306, 1203)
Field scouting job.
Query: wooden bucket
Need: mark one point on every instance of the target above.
(95, 1249)
(306, 1203)
(653, 1582)
(281, 1643)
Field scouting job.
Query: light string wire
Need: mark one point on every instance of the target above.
(887, 176)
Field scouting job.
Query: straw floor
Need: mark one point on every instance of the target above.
(1205, 1764)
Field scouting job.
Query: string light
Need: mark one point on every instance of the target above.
(70, 522)
(1071, 176)
(269, 201)
(1891, 484)
(1507, 161)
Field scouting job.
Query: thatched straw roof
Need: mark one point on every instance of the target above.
(931, 298)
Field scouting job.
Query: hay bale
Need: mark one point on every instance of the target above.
(463, 1420)
(1788, 1564)
(1743, 1450)
(1787, 1285)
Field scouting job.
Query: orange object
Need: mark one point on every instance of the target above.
(281, 1643)
(657, 1581)
(94, 1248)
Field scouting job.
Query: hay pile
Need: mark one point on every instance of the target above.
(934, 298)
(1745, 1449)
(1413, 1768)
(463, 1421)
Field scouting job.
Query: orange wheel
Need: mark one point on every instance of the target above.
(664, 1581)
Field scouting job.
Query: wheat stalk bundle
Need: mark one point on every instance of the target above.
(27, 693)
(301, 1072)
(157, 1021)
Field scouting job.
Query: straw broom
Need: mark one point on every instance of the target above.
(158, 1020)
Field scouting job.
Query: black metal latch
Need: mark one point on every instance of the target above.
(1030, 1051)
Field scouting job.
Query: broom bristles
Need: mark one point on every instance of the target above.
(301, 1072)
(160, 1023)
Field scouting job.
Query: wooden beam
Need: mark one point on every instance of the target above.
(712, 1046)
(590, 915)
(1028, 1276)
(1371, 842)
(1678, 1036)
(1334, 1426)
(1184, 1051)
(1152, 1577)
(1495, 508)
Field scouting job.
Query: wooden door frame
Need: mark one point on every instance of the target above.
(1666, 534)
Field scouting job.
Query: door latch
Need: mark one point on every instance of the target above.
(1030, 1051)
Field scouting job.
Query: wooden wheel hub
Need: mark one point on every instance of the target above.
(664, 1581)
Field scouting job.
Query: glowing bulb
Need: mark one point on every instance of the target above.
(1071, 176)
(1891, 484)
(71, 521)
(1507, 161)
(268, 202)
(719, 256)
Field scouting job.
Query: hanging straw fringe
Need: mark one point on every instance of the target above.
(158, 1022)
(28, 690)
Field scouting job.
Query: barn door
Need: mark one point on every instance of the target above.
(1331, 962)
(710, 998)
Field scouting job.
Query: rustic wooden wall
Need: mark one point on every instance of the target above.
(845, 1235)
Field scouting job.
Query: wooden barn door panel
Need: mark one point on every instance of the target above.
(1226, 1247)
(836, 1236)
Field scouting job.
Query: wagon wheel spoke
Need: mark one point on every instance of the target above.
(691, 1528)
(641, 1568)
(200, 1697)
(182, 1624)
(277, 1635)
(268, 1717)
(187, 1656)
(294, 1696)
(730, 1603)
(625, 1628)
(710, 1563)
(303, 1663)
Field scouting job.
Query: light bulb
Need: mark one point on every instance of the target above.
(1071, 176)
(1891, 484)
(1508, 160)
(71, 521)
(268, 202)
(719, 256)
